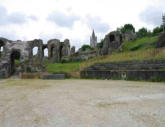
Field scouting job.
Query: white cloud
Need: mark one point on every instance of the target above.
(97, 24)
(62, 19)
(13, 18)
(152, 15)
(73, 19)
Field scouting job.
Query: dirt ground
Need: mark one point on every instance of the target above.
(81, 103)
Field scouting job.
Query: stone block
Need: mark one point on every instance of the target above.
(53, 76)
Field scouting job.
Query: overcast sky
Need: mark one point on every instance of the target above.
(74, 19)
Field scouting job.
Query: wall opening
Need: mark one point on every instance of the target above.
(60, 53)
(46, 52)
(15, 60)
(1, 47)
(35, 51)
(51, 51)
(121, 39)
(112, 38)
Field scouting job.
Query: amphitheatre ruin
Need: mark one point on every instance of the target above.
(62, 51)
(116, 80)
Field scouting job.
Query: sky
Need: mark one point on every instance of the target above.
(75, 19)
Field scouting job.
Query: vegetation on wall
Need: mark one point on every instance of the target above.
(86, 47)
(100, 44)
(143, 32)
(126, 27)
(140, 49)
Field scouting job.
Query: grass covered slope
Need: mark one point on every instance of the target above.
(63, 67)
(140, 49)
(143, 43)
(146, 54)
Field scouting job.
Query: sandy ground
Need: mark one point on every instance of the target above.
(81, 103)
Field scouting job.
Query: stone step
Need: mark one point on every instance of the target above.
(53, 76)
(128, 66)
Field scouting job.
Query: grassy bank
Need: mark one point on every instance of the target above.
(143, 43)
(115, 57)
(63, 67)
(145, 54)
(140, 49)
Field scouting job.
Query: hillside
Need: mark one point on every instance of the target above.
(140, 49)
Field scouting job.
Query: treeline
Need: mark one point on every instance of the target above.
(142, 32)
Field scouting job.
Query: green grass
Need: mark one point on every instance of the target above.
(63, 67)
(143, 43)
(140, 49)
(17, 63)
(145, 54)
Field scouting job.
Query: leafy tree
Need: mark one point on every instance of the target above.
(126, 27)
(86, 47)
(142, 32)
(157, 30)
(100, 45)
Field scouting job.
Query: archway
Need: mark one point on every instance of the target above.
(35, 51)
(60, 53)
(14, 59)
(45, 52)
(51, 51)
(1, 47)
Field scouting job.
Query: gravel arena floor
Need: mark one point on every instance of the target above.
(81, 103)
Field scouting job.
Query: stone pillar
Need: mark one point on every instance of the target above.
(73, 50)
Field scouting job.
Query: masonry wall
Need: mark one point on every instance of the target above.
(137, 70)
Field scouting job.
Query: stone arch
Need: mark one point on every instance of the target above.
(60, 52)
(36, 45)
(35, 51)
(15, 55)
(52, 47)
(45, 50)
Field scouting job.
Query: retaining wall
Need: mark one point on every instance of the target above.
(136, 70)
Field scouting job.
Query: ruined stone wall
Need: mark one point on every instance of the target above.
(112, 41)
(23, 51)
(57, 50)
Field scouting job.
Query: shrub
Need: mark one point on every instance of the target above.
(86, 47)
(126, 27)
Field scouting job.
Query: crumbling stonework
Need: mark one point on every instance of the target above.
(73, 50)
(57, 50)
(54, 50)
(128, 35)
(112, 41)
(23, 52)
(66, 51)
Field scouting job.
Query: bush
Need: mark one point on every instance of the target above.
(86, 47)
(157, 79)
(158, 30)
(126, 27)
(143, 32)
(100, 45)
